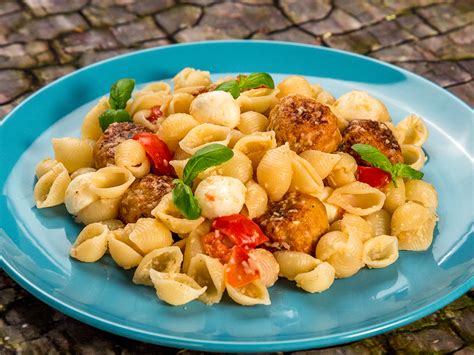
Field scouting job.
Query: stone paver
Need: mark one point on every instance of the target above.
(41, 40)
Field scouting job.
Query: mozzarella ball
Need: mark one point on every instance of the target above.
(217, 107)
(359, 105)
(220, 196)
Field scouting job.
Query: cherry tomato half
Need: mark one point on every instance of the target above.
(157, 151)
(241, 230)
(238, 272)
(218, 246)
(374, 177)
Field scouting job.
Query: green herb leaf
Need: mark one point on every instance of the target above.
(407, 171)
(120, 93)
(256, 80)
(185, 201)
(231, 86)
(211, 155)
(110, 116)
(373, 156)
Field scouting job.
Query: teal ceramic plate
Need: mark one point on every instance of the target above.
(35, 243)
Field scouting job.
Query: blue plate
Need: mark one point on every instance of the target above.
(35, 243)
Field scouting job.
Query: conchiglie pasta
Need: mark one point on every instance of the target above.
(50, 189)
(142, 118)
(275, 172)
(251, 122)
(189, 77)
(422, 192)
(111, 181)
(82, 171)
(90, 128)
(203, 135)
(256, 199)
(413, 156)
(380, 222)
(358, 198)
(194, 244)
(179, 103)
(325, 98)
(91, 243)
(395, 195)
(178, 166)
(293, 263)
(413, 225)
(239, 167)
(322, 162)
(255, 145)
(174, 288)
(149, 234)
(44, 166)
(295, 85)
(343, 252)
(208, 272)
(78, 193)
(305, 178)
(159, 86)
(168, 213)
(122, 250)
(249, 295)
(145, 100)
(100, 210)
(166, 260)
(234, 136)
(317, 280)
(380, 251)
(266, 264)
(259, 100)
(356, 226)
(74, 153)
(132, 156)
(412, 130)
(343, 171)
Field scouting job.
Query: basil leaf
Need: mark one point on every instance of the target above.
(256, 80)
(204, 158)
(373, 156)
(404, 170)
(185, 201)
(120, 93)
(110, 116)
(231, 86)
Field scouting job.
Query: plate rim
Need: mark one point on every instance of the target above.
(219, 345)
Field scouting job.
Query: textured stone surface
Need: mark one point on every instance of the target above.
(41, 40)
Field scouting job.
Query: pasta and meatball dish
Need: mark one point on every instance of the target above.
(214, 187)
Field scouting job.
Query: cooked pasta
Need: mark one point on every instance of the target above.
(51, 187)
(90, 126)
(380, 251)
(343, 171)
(149, 234)
(44, 166)
(79, 194)
(99, 210)
(293, 263)
(305, 178)
(145, 100)
(380, 222)
(295, 85)
(203, 135)
(322, 162)
(132, 156)
(252, 294)
(178, 103)
(91, 243)
(157, 87)
(358, 198)
(175, 288)
(194, 244)
(258, 100)
(266, 264)
(111, 181)
(82, 171)
(422, 192)
(74, 153)
(412, 130)
(209, 273)
(317, 280)
(356, 226)
(122, 250)
(255, 145)
(189, 77)
(175, 127)
(256, 199)
(239, 167)
(395, 195)
(251, 122)
(413, 156)
(141, 117)
(167, 259)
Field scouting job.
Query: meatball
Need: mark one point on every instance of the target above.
(143, 196)
(294, 223)
(305, 124)
(374, 133)
(116, 133)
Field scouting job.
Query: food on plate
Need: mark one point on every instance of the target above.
(215, 187)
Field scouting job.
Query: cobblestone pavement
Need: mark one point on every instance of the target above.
(41, 40)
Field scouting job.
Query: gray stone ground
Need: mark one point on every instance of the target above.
(41, 40)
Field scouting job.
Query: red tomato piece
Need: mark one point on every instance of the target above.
(241, 230)
(155, 113)
(238, 271)
(374, 177)
(157, 151)
(218, 246)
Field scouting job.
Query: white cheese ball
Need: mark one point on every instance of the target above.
(217, 107)
(220, 196)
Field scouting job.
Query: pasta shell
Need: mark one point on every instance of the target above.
(166, 260)
(90, 128)
(74, 153)
(422, 192)
(317, 280)
(413, 156)
(239, 167)
(305, 178)
(208, 272)
(168, 213)
(203, 135)
(179, 103)
(395, 195)
(78, 194)
(100, 210)
(121, 250)
(251, 122)
(175, 289)
(91, 243)
(235, 135)
(266, 264)
(380, 251)
(50, 189)
(358, 198)
(380, 222)
(111, 181)
(256, 200)
(113, 224)
(249, 295)
(255, 145)
(194, 244)
(359, 105)
(131, 155)
(44, 166)
(325, 98)
(322, 162)
(275, 172)
(157, 87)
(82, 171)
(295, 85)
(357, 227)
(259, 100)
(149, 234)
(412, 130)
(141, 117)
(343, 172)
(334, 212)
(293, 263)
(175, 127)
(145, 100)
(191, 77)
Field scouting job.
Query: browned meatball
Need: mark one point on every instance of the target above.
(143, 196)
(305, 124)
(116, 133)
(374, 133)
(294, 223)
